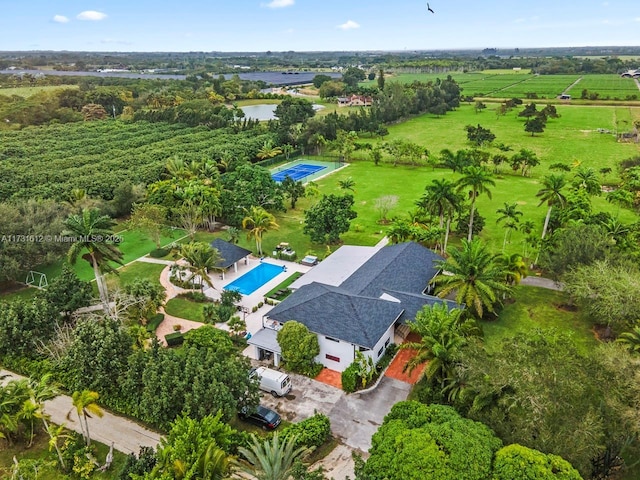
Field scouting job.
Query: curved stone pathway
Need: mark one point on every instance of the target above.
(542, 282)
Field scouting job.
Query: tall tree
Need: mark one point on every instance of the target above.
(202, 258)
(330, 217)
(85, 405)
(258, 221)
(510, 216)
(440, 198)
(94, 233)
(478, 181)
(443, 332)
(474, 274)
(551, 193)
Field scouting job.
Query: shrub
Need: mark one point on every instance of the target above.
(260, 304)
(197, 297)
(159, 252)
(174, 339)
(154, 322)
(350, 379)
(312, 432)
(254, 309)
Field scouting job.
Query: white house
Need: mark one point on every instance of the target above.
(354, 300)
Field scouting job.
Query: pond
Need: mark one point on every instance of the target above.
(266, 111)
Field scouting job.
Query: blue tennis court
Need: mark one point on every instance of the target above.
(297, 172)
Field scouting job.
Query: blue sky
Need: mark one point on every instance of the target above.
(306, 25)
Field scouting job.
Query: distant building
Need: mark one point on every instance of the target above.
(355, 101)
(631, 73)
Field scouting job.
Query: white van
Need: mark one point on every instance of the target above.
(272, 381)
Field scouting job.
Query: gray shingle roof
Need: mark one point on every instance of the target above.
(405, 267)
(229, 252)
(331, 311)
(413, 303)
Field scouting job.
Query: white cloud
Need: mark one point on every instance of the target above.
(349, 25)
(60, 19)
(91, 15)
(280, 3)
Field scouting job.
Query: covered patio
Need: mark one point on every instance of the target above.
(265, 344)
(231, 254)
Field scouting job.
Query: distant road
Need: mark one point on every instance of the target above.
(273, 78)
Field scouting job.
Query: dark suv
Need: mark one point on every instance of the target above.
(261, 416)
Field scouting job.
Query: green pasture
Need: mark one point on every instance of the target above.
(607, 87)
(30, 91)
(544, 86)
(513, 83)
(135, 244)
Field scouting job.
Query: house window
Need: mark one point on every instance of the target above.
(380, 351)
(363, 349)
(386, 344)
(332, 357)
(331, 339)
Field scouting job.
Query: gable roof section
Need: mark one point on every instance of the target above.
(333, 312)
(413, 303)
(229, 252)
(404, 267)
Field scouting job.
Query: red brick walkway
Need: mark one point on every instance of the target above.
(401, 359)
(330, 377)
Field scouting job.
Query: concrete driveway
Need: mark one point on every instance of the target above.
(354, 418)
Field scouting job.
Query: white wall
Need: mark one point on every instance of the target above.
(342, 350)
(373, 353)
(345, 351)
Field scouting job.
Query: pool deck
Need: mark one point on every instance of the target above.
(253, 319)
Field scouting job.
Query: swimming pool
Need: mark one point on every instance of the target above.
(255, 278)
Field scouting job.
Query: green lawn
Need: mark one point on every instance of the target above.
(135, 244)
(134, 271)
(184, 308)
(25, 293)
(535, 307)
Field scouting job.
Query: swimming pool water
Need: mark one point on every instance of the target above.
(255, 278)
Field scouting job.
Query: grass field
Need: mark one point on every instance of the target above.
(30, 91)
(607, 86)
(534, 307)
(135, 244)
(510, 83)
(185, 308)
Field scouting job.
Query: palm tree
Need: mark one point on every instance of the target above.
(631, 340)
(93, 233)
(347, 184)
(272, 459)
(441, 199)
(510, 216)
(478, 180)
(213, 464)
(551, 193)
(202, 259)
(443, 332)
(474, 275)
(268, 150)
(258, 221)
(85, 405)
(587, 179)
(40, 391)
(515, 268)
